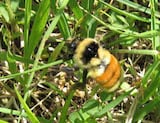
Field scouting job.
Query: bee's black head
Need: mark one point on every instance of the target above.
(90, 52)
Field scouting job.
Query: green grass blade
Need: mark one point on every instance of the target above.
(89, 24)
(29, 113)
(150, 72)
(138, 7)
(38, 55)
(64, 27)
(56, 52)
(31, 70)
(27, 16)
(12, 66)
(148, 107)
(151, 89)
(75, 8)
(3, 12)
(54, 55)
(134, 51)
(101, 22)
(87, 4)
(125, 12)
(66, 106)
(2, 121)
(147, 34)
(38, 26)
(154, 25)
(62, 5)
(4, 55)
(55, 89)
(112, 104)
(62, 23)
(13, 112)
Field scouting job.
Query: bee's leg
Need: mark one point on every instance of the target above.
(82, 85)
(85, 72)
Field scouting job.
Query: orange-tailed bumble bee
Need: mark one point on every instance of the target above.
(99, 62)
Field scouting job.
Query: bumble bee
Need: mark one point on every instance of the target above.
(99, 62)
